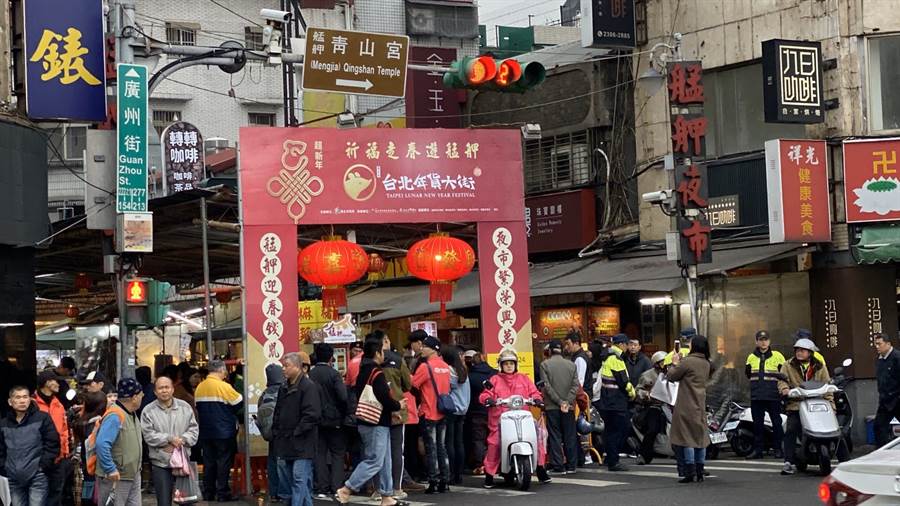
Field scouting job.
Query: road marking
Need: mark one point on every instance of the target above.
(497, 491)
(587, 483)
(646, 474)
(370, 502)
(748, 462)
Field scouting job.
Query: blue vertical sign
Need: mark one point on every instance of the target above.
(64, 61)
(131, 152)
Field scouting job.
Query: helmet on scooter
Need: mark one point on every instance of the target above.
(583, 426)
(508, 356)
(597, 425)
(658, 357)
(805, 344)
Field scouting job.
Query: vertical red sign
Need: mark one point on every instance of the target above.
(429, 104)
(797, 180)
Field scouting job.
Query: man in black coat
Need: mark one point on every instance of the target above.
(332, 441)
(35, 449)
(298, 412)
(888, 376)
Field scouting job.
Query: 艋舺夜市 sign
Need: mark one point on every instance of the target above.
(64, 62)
(131, 153)
(361, 63)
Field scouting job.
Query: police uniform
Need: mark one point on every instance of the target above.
(616, 392)
(763, 369)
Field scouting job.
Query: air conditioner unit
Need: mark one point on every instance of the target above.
(571, 165)
(215, 144)
(420, 20)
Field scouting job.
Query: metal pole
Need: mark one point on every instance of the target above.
(206, 298)
(692, 295)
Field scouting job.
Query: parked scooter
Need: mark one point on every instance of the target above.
(739, 430)
(518, 440)
(661, 447)
(842, 403)
(822, 435)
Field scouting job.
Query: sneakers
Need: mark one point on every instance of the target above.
(488, 481)
(571, 471)
(322, 497)
(542, 475)
(413, 486)
(559, 472)
(443, 487)
(432, 488)
(788, 469)
(400, 495)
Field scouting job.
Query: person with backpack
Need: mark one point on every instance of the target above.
(118, 448)
(265, 414)
(27, 462)
(168, 425)
(432, 380)
(94, 405)
(332, 442)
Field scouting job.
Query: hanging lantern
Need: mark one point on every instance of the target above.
(72, 311)
(83, 282)
(442, 260)
(376, 266)
(223, 296)
(332, 263)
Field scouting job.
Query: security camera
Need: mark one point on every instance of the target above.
(658, 197)
(275, 15)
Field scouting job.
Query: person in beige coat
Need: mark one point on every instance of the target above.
(689, 433)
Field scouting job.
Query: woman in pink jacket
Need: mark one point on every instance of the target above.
(508, 382)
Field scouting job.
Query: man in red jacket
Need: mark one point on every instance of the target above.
(432, 378)
(46, 399)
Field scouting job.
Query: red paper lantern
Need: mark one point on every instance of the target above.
(377, 265)
(72, 311)
(332, 263)
(223, 296)
(83, 282)
(442, 260)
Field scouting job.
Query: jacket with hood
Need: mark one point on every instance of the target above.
(478, 374)
(332, 393)
(795, 373)
(27, 447)
(506, 385)
(400, 380)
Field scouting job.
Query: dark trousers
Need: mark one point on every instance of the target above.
(218, 456)
(329, 462)
(563, 440)
(883, 432)
(478, 433)
(616, 427)
(354, 445)
(456, 448)
(163, 485)
(759, 409)
(397, 440)
(56, 481)
(413, 460)
(792, 432)
(654, 423)
(434, 434)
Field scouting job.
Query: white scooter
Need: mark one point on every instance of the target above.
(740, 431)
(822, 436)
(518, 440)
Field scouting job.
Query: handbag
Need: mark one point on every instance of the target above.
(187, 487)
(368, 408)
(664, 391)
(179, 462)
(445, 404)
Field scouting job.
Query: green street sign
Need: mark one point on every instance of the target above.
(131, 154)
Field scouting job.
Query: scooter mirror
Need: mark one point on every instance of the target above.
(487, 384)
(847, 362)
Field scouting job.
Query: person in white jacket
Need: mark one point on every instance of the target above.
(168, 424)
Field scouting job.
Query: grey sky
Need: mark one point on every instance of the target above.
(515, 13)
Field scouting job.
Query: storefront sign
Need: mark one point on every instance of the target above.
(603, 321)
(183, 157)
(607, 23)
(64, 60)
(872, 180)
(556, 323)
(797, 183)
(691, 186)
(792, 92)
(430, 327)
(724, 211)
(830, 314)
(340, 331)
(560, 221)
(429, 104)
(380, 175)
(694, 237)
(311, 318)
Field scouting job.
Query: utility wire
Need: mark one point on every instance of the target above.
(236, 13)
(62, 159)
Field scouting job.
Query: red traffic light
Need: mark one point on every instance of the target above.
(136, 291)
(480, 70)
(508, 72)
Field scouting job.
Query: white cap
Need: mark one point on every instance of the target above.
(470, 353)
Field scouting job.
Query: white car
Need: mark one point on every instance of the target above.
(872, 480)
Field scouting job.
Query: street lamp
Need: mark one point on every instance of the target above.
(654, 77)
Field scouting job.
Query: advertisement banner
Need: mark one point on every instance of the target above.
(378, 175)
(603, 321)
(608, 23)
(505, 297)
(556, 323)
(64, 60)
(183, 157)
(797, 182)
(872, 180)
(560, 221)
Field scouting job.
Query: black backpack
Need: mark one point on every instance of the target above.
(265, 414)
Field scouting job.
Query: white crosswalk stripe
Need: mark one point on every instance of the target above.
(587, 483)
(497, 491)
(771, 463)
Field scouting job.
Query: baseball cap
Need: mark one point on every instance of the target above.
(620, 339)
(432, 342)
(688, 333)
(128, 387)
(417, 335)
(803, 334)
(762, 334)
(470, 353)
(93, 377)
(555, 346)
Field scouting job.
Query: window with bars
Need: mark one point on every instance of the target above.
(253, 38)
(184, 34)
(559, 163)
(68, 142)
(261, 118)
(164, 117)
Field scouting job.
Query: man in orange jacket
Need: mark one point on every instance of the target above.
(46, 399)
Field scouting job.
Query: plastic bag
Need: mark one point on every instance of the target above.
(187, 488)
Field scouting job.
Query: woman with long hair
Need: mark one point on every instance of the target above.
(689, 432)
(461, 394)
(95, 404)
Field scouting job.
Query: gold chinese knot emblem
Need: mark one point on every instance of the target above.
(295, 186)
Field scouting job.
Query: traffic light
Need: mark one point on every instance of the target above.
(158, 292)
(487, 74)
(135, 290)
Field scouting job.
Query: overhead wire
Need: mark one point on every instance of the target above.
(236, 13)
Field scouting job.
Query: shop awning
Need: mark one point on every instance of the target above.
(879, 243)
(648, 273)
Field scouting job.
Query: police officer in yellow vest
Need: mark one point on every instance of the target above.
(615, 393)
(764, 370)
(685, 343)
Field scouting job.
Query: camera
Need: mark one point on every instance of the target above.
(275, 15)
(657, 197)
